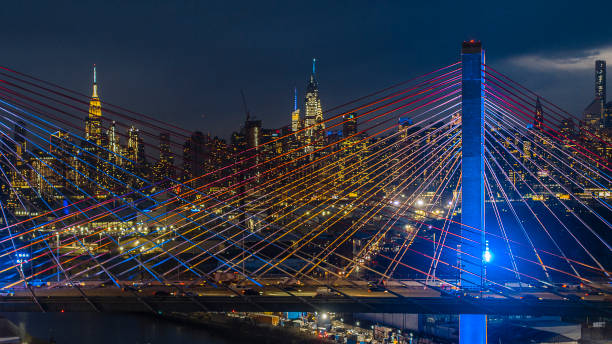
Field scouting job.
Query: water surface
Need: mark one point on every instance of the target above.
(107, 328)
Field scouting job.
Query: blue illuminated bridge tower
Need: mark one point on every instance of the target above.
(472, 327)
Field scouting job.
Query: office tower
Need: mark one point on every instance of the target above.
(567, 131)
(114, 146)
(600, 81)
(19, 137)
(349, 127)
(93, 123)
(133, 145)
(253, 134)
(538, 120)
(404, 123)
(164, 169)
(313, 113)
(295, 114)
(194, 157)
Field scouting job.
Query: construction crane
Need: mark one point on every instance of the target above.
(244, 103)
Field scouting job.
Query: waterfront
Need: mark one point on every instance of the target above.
(95, 328)
(305, 173)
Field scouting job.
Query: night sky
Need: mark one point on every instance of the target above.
(186, 61)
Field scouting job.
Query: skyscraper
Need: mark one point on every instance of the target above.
(19, 137)
(164, 168)
(595, 113)
(349, 127)
(133, 145)
(295, 115)
(194, 156)
(93, 123)
(600, 81)
(539, 115)
(114, 145)
(313, 114)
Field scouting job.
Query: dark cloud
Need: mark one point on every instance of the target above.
(180, 59)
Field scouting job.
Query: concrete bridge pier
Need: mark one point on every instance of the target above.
(472, 327)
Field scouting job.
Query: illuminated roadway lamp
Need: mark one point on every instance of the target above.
(487, 256)
(420, 203)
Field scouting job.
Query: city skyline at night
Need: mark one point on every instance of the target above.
(172, 68)
(315, 172)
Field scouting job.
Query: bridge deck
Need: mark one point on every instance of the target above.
(428, 305)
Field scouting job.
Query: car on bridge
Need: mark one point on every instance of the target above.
(251, 292)
(325, 292)
(7, 292)
(373, 287)
(530, 297)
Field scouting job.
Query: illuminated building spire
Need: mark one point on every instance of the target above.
(539, 115)
(313, 113)
(93, 123)
(295, 115)
(95, 83)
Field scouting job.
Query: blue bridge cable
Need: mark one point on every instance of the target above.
(50, 208)
(95, 168)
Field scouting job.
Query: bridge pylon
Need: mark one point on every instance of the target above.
(472, 327)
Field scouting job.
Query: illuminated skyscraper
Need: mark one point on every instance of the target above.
(19, 137)
(60, 147)
(114, 145)
(600, 80)
(539, 115)
(194, 156)
(595, 113)
(295, 115)
(93, 123)
(133, 145)
(568, 131)
(592, 115)
(164, 168)
(135, 154)
(349, 126)
(404, 124)
(313, 114)
(252, 130)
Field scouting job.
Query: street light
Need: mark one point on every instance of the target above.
(487, 256)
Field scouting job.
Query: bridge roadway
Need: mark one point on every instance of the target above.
(396, 299)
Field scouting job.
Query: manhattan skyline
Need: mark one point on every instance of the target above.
(192, 65)
(305, 172)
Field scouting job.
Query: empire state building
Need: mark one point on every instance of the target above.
(93, 123)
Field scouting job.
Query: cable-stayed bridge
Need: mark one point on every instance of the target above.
(458, 191)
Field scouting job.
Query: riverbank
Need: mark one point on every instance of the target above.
(244, 330)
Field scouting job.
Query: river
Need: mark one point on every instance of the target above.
(106, 328)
